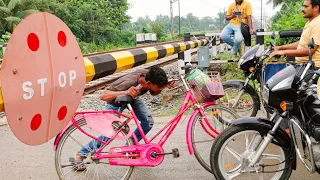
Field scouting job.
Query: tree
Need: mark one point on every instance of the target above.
(278, 2)
(13, 11)
(93, 20)
(158, 28)
(288, 18)
(206, 23)
(220, 21)
(145, 30)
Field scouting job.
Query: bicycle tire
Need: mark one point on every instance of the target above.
(66, 134)
(197, 154)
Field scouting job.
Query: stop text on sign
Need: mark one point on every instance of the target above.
(63, 79)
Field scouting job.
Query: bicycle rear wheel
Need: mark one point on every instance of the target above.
(72, 141)
(219, 118)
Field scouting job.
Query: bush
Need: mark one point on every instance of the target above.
(116, 40)
(3, 41)
(230, 70)
(288, 18)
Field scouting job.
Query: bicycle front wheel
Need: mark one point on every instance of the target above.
(219, 117)
(70, 144)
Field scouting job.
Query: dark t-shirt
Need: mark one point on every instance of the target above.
(127, 81)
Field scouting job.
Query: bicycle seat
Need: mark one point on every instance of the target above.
(123, 100)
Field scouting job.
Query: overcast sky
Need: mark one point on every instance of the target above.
(199, 8)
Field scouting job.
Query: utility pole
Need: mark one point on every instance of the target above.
(220, 19)
(179, 19)
(261, 14)
(171, 12)
(224, 12)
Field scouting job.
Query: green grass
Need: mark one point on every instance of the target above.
(229, 70)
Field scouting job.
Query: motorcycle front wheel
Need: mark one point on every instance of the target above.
(233, 150)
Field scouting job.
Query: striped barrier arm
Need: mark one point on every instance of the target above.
(102, 65)
(106, 64)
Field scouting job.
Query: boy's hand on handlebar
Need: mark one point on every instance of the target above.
(133, 92)
(276, 53)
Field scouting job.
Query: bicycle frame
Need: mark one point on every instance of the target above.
(171, 125)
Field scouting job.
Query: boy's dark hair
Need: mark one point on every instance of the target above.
(157, 76)
(315, 3)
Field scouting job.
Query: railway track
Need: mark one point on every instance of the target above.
(101, 83)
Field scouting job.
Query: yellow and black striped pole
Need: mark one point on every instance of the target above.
(106, 64)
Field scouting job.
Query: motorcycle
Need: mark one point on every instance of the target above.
(237, 92)
(269, 152)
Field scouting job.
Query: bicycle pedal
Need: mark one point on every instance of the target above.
(175, 153)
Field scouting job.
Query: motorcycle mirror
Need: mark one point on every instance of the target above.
(272, 43)
(311, 44)
(273, 36)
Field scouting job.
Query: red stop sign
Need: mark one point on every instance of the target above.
(43, 78)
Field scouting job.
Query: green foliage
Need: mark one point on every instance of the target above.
(288, 18)
(4, 41)
(190, 23)
(145, 30)
(97, 24)
(278, 2)
(230, 70)
(13, 11)
(125, 39)
(158, 28)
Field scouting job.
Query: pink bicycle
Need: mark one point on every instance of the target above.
(116, 158)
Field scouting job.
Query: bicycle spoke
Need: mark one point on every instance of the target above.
(70, 170)
(234, 153)
(81, 145)
(203, 141)
(98, 174)
(79, 175)
(94, 169)
(104, 169)
(85, 175)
